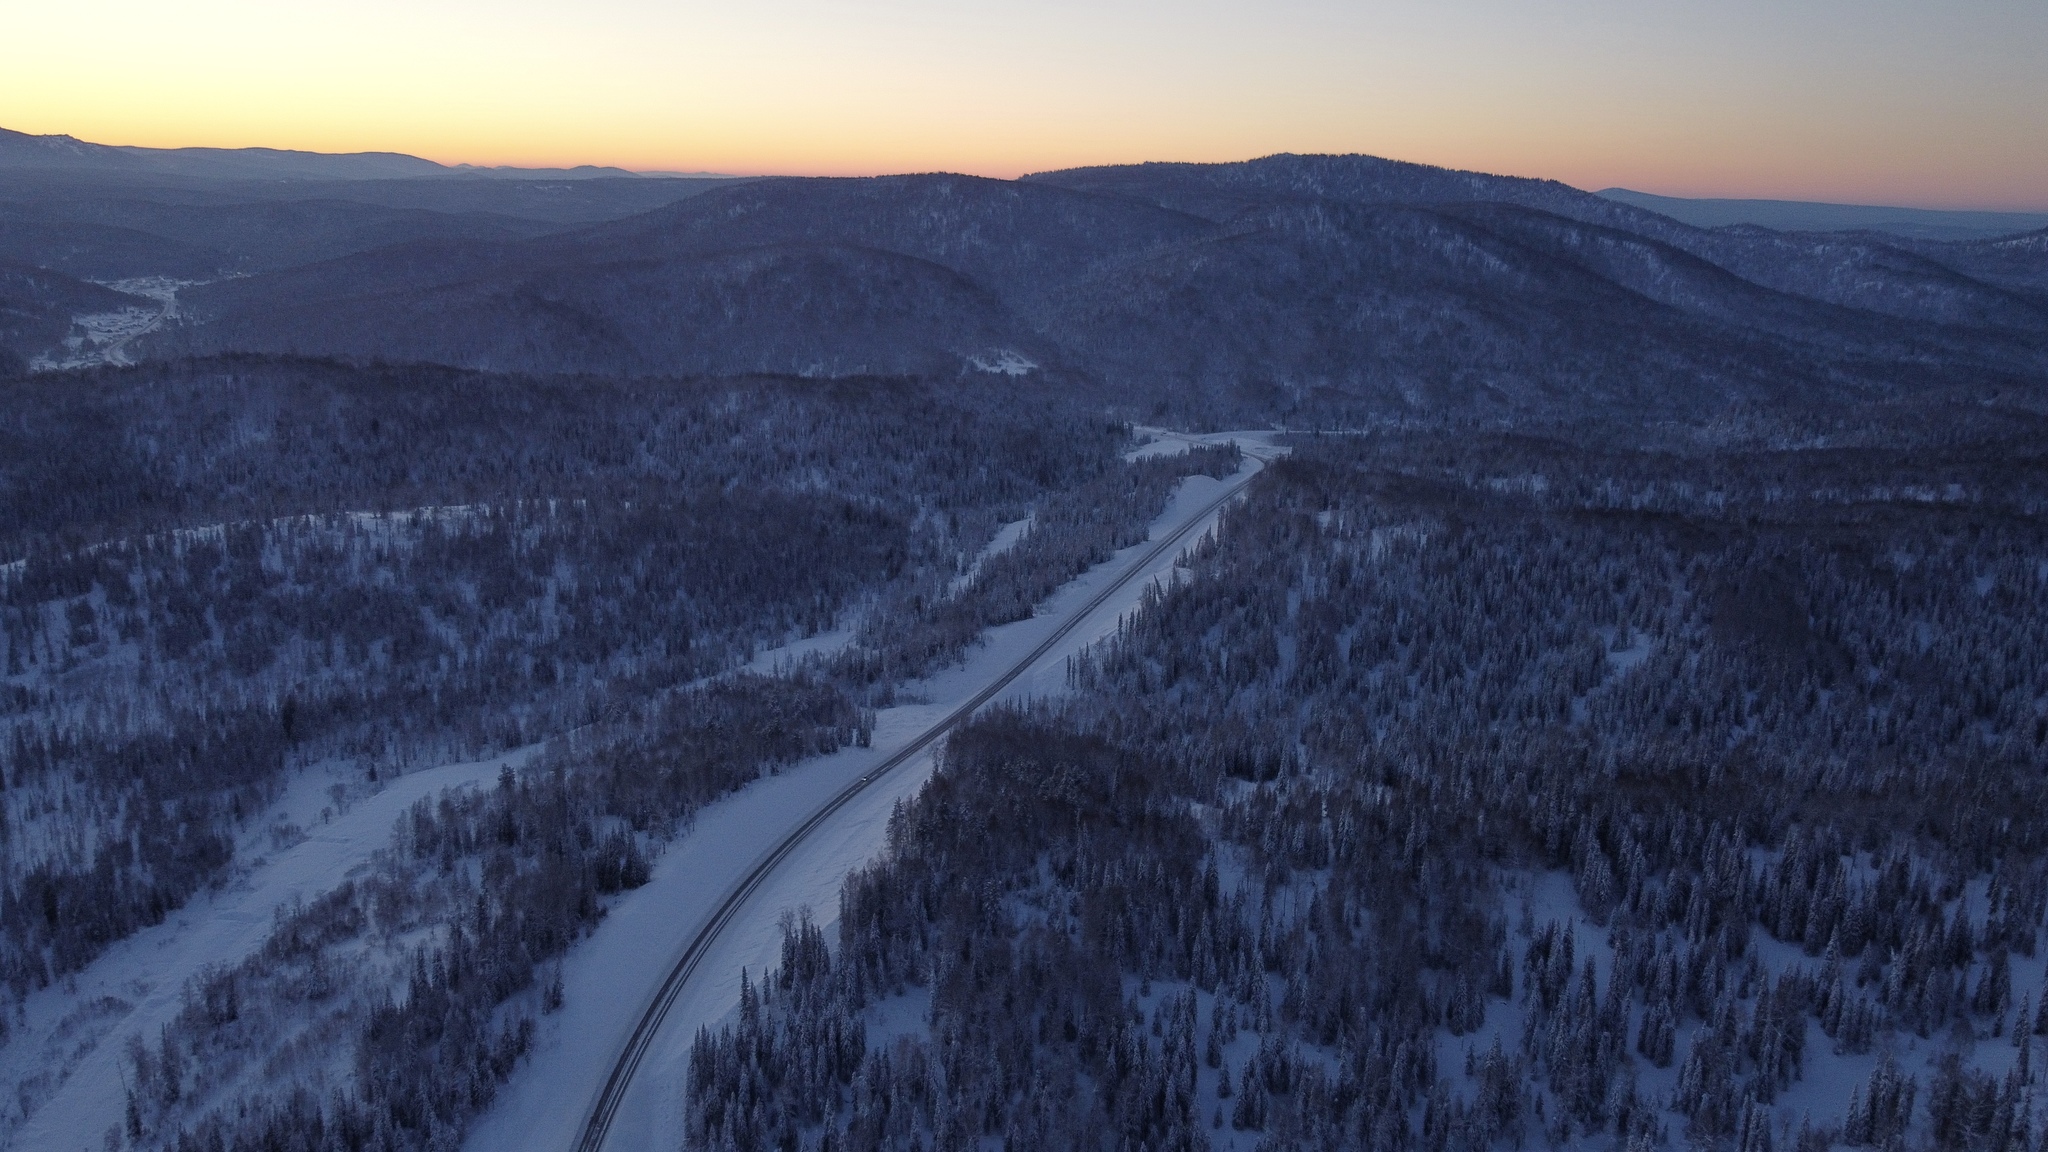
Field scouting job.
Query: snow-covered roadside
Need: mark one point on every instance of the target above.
(65, 1055)
(608, 978)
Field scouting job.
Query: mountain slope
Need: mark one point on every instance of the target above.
(19, 150)
(1409, 308)
(1014, 238)
(1864, 272)
(830, 310)
(2018, 264)
(122, 238)
(1301, 288)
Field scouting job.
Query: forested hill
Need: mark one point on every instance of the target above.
(1564, 789)
(1305, 289)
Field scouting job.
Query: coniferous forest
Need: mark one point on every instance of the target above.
(1477, 791)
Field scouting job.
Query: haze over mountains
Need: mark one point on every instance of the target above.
(1804, 216)
(1298, 287)
(20, 151)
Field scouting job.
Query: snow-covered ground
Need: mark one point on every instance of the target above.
(1167, 442)
(389, 528)
(610, 978)
(780, 660)
(64, 1058)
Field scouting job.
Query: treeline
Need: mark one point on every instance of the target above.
(1774, 714)
(186, 443)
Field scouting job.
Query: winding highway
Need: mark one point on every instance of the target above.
(604, 1108)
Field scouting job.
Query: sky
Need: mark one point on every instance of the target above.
(1923, 103)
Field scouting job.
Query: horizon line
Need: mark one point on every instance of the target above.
(456, 167)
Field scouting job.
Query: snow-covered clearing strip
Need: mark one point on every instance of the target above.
(784, 658)
(1167, 442)
(137, 986)
(609, 978)
(69, 1048)
(1005, 539)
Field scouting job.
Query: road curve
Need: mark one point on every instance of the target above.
(606, 1105)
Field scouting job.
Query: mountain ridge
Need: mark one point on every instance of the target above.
(22, 151)
(1822, 216)
(1296, 287)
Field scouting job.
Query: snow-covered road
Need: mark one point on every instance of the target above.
(611, 978)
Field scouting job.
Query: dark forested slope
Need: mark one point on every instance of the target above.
(1308, 289)
(1481, 791)
(1881, 274)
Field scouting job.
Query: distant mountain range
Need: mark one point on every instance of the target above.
(1298, 288)
(1804, 216)
(24, 153)
(21, 152)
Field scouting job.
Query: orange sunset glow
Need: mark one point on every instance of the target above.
(1943, 106)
